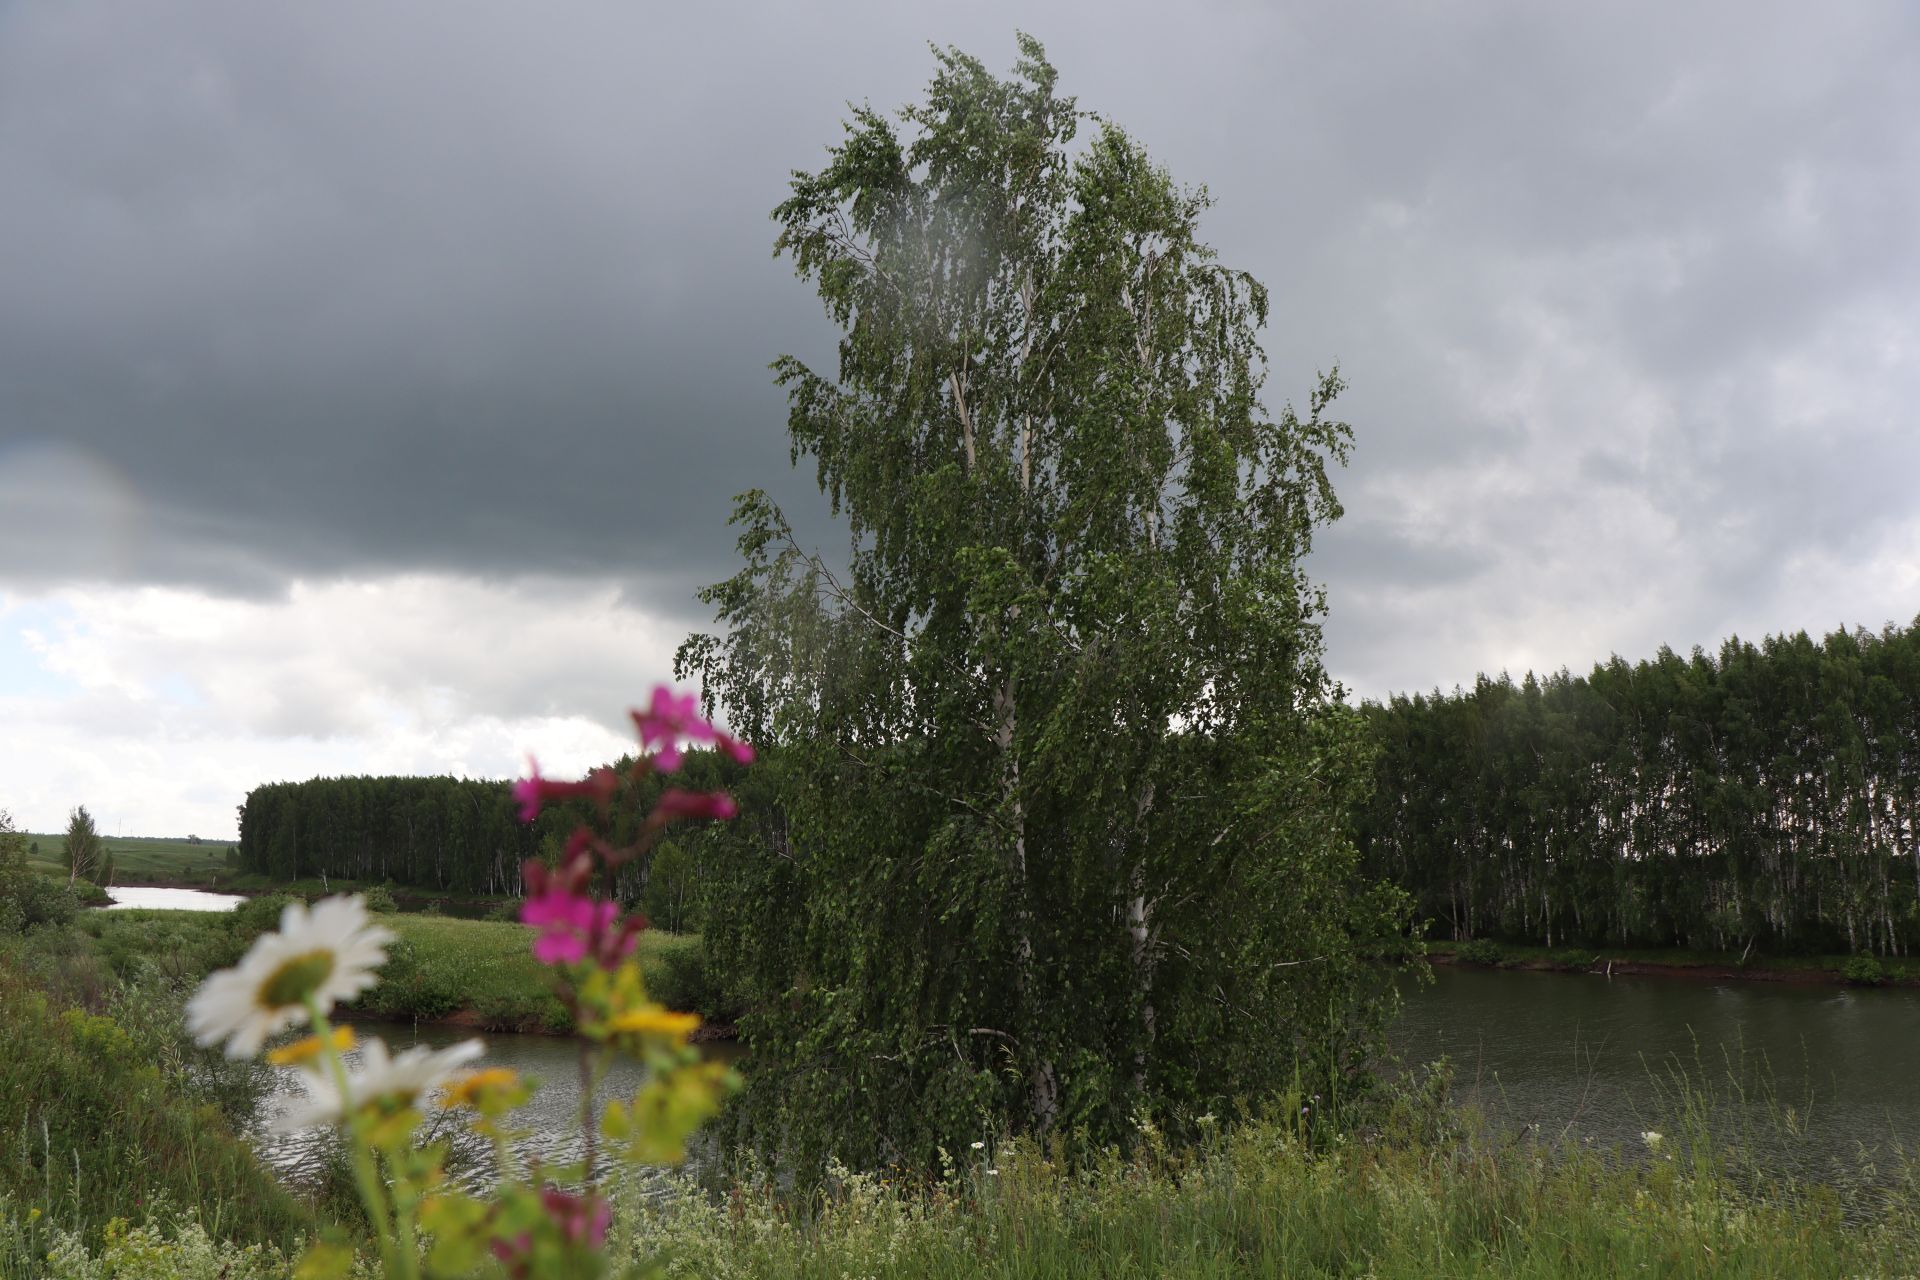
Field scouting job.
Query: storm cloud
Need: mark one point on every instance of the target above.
(300, 300)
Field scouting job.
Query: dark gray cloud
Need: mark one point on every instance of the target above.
(1626, 294)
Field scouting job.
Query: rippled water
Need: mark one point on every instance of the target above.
(551, 1117)
(130, 896)
(1814, 1076)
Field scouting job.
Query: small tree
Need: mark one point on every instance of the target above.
(86, 853)
(1059, 832)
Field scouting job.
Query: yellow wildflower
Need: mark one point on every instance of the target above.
(308, 1048)
(480, 1088)
(653, 1019)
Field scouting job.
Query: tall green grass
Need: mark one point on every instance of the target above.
(1259, 1201)
(93, 1129)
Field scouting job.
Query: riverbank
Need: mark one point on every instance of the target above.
(482, 974)
(1719, 966)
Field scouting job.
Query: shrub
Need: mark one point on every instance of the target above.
(380, 899)
(677, 974)
(1864, 971)
(1483, 951)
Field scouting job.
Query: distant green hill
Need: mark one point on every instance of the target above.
(138, 859)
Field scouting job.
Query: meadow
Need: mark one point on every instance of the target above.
(145, 859)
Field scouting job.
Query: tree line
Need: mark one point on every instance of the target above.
(1762, 796)
(453, 835)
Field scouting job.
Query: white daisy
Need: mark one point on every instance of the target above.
(380, 1078)
(329, 953)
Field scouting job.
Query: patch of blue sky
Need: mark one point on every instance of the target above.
(23, 669)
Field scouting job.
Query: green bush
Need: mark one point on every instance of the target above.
(1484, 951)
(676, 973)
(92, 1129)
(380, 899)
(1864, 971)
(415, 984)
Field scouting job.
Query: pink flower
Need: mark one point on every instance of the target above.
(560, 947)
(675, 803)
(668, 718)
(534, 792)
(575, 927)
(739, 750)
(582, 1220)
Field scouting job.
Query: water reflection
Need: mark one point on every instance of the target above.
(1812, 1077)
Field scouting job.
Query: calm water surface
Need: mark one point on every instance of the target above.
(1811, 1079)
(1817, 1076)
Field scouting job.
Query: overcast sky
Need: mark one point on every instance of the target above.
(374, 378)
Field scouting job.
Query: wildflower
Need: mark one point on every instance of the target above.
(534, 792)
(386, 1083)
(307, 1049)
(1653, 1139)
(575, 927)
(322, 955)
(653, 1019)
(667, 719)
(489, 1089)
(580, 1220)
(979, 1146)
(675, 803)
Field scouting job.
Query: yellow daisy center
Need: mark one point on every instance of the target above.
(297, 978)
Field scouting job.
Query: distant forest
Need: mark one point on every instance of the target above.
(1766, 795)
(447, 835)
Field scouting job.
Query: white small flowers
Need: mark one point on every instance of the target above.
(388, 1081)
(979, 1146)
(326, 955)
(1653, 1139)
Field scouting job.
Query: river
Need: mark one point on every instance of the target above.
(551, 1117)
(1812, 1078)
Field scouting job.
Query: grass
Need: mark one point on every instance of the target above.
(145, 859)
(1259, 1201)
(91, 1129)
(439, 967)
(442, 966)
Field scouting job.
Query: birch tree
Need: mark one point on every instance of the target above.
(1061, 777)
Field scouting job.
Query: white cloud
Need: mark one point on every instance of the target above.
(159, 708)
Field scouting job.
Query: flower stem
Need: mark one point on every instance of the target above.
(365, 1174)
(587, 1125)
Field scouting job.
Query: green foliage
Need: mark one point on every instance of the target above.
(380, 900)
(27, 898)
(168, 1246)
(1482, 951)
(1052, 824)
(91, 1127)
(1864, 971)
(1257, 1200)
(86, 855)
(1763, 798)
(447, 837)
